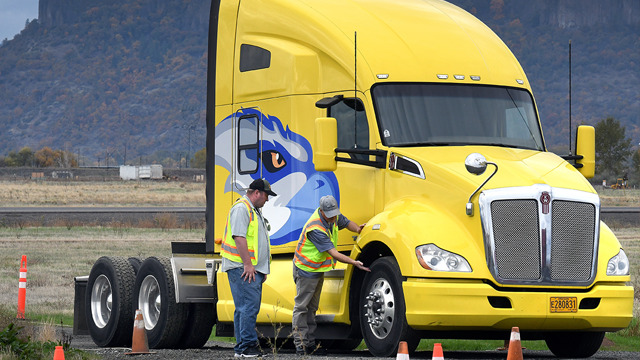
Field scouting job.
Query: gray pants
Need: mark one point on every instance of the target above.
(307, 301)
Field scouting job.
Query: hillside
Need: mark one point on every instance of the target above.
(605, 64)
(91, 75)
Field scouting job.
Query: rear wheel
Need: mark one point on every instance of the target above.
(200, 321)
(135, 263)
(382, 310)
(108, 302)
(154, 295)
(574, 344)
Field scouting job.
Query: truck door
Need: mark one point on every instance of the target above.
(356, 181)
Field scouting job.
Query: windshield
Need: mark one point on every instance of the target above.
(451, 114)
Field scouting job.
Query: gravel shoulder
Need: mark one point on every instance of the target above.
(222, 350)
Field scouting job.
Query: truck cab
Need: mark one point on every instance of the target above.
(422, 124)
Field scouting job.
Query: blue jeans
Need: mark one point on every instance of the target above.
(246, 298)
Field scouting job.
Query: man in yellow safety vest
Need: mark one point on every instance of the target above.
(246, 256)
(315, 254)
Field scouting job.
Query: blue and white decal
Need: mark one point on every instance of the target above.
(286, 161)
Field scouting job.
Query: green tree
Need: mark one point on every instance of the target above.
(613, 147)
(199, 159)
(11, 159)
(25, 156)
(635, 164)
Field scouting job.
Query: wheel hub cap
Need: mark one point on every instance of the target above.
(379, 306)
(101, 301)
(150, 301)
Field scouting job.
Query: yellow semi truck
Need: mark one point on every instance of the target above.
(419, 120)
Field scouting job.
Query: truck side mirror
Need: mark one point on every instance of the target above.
(324, 151)
(586, 146)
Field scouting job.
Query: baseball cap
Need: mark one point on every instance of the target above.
(262, 185)
(329, 206)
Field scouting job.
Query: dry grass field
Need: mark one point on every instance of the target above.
(56, 255)
(110, 193)
(621, 197)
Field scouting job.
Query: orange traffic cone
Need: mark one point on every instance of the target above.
(515, 349)
(437, 352)
(139, 343)
(22, 287)
(403, 351)
(58, 354)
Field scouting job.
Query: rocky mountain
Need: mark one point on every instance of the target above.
(96, 76)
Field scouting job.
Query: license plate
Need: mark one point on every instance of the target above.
(564, 304)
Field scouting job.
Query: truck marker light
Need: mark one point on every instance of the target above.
(443, 77)
(433, 258)
(475, 77)
(459, 77)
(382, 76)
(375, 227)
(618, 265)
(520, 81)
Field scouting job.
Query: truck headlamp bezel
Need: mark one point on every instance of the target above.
(618, 265)
(434, 258)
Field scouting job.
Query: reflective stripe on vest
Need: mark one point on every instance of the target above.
(307, 257)
(229, 249)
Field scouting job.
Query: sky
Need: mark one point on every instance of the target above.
(14, 14)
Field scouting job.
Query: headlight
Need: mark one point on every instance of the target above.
(433, 258)
(618, 265)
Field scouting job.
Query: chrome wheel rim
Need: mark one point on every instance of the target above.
(101, 301)
(380, 308)
(150, 301)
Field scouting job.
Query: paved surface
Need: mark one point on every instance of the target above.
(615, 216)
(220, 350)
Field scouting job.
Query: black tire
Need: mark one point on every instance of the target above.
(200, 321)
(345, 344)
(574, 344)
(154, 294)
(108, 302)
(389, 325)
(135, 263)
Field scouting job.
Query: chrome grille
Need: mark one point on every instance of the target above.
(516, 232)
(528, 242)
(573, 227)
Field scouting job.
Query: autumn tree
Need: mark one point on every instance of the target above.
(46, 157)
(613, 147)
(199, 159)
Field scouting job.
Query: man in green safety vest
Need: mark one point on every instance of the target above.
(315, 254)
(246, 255)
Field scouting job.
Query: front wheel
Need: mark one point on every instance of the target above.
(574, 344)
(382, 310)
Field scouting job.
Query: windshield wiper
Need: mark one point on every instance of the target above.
(503, 145)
